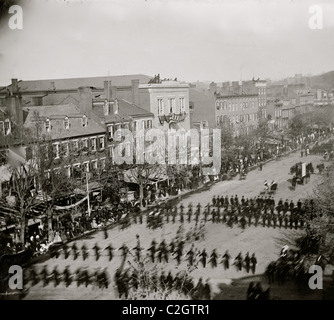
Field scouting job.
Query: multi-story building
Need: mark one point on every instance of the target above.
(201, 107)
(239, 112)
(169, 103)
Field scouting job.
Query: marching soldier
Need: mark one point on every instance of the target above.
(75, 251)
(226, 260)
(190, 214)
(65, 250)
(253, 263)
(213, 258)
(191, 254)
(45, 276)
(84, 252)
(204, 255)
(247, 261)
(56, 275)
(110, 251)
(238, 261)
(33, 276)
(97, 251)
(152, 250)
(67, 276)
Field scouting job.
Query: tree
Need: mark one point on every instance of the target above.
(320, 218)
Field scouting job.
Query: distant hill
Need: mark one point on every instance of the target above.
(323, 81)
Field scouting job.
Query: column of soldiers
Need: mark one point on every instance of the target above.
(234, 211)
(81, 276)
(128, 283)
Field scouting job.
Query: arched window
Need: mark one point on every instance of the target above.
(84, 121)
(47, 125)
(66, 123)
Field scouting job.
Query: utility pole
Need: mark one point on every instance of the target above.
(88, 201)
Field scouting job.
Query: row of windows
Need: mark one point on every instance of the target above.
(66, 123)
(238, 118)
(77, 169)
(224, 105)
(65, 148)
(135, 125)
(171, 106)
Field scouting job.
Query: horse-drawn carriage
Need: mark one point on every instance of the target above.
(270, 188)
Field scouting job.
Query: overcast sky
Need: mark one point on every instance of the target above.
(188, 39)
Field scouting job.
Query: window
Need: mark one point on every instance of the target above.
(68, 171)
(66, 123)
(143, 124)
(84, 121)
(94, 165)
(86, 166)
(160, 107)
(2, 127)
(110, 132)
(65, 149)
(76, 171)
(47, 125)
(55, 150)
(149, 124)
(101, 143)
(171, 105)
(93, 144)
(182, 105)
(103, 163)
(218, 120)
(84, 145)
(75, 145)
(218, 105)
(135, 125)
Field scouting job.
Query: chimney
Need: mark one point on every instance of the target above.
(86, 101)
(15, 86)
(14, 104)
(52, 85)
(135, 91)
(110, 91)
(213, 87)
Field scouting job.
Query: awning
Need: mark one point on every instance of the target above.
(92, 186)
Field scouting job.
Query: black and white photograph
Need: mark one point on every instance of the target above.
(166, 150)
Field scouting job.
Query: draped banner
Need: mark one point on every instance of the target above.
(72, 205)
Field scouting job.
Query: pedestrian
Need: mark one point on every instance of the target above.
(199, 289)
(207, 290)
(105, 231)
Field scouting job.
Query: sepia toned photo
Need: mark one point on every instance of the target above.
(166, 151)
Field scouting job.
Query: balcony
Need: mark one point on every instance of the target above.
(172, 117)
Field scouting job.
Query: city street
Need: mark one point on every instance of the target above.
(265, 242)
